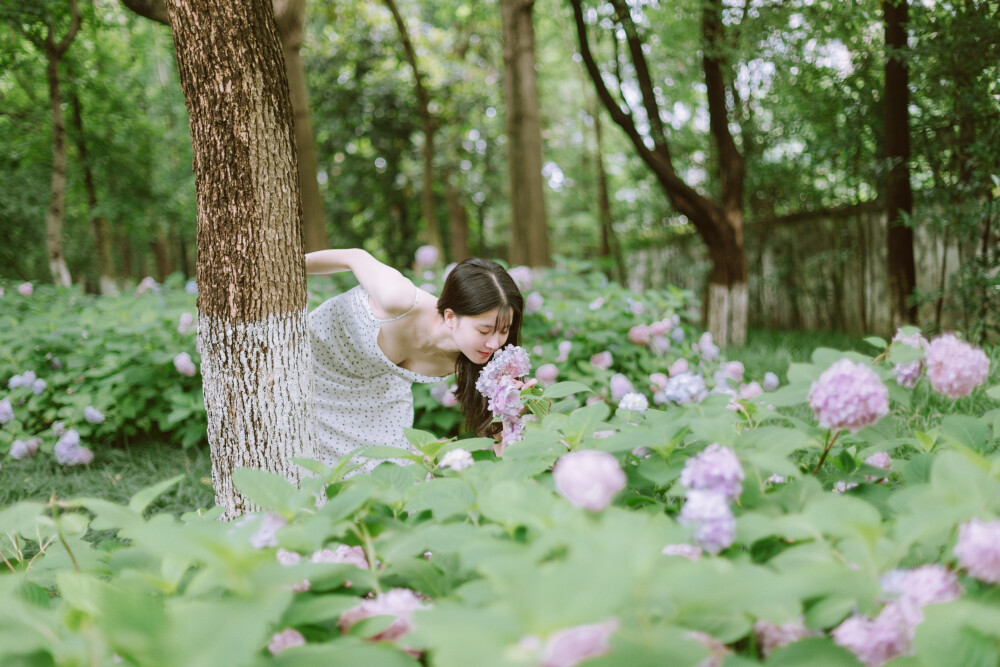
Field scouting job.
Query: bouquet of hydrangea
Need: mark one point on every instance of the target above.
(500, 383)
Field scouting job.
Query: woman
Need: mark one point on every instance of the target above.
(372, 342)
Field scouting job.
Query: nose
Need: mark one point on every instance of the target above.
(494, 342)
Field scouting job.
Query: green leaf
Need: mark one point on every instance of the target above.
(141, 500)
(269, 490)
(814, 652)
(425, 442)
(876, 342)
(994, 392)
(344, 651)
(443, 497)
(904, 354)
(514, 503)
(563, 389)
(384, 452)
(965, 431)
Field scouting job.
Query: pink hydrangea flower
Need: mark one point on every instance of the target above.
(457, 459)
(978, 549)
(908, 374)
(658, 381)
(425, 256)
(588, 479)
(602, 360)
(533, 303)
(342, 554)
(24, 449)
(185, 324)
(732, 370)
(688, 551)
(707, 348)
(184, 365)
(876, 641)
(923, 585)
(619, 385)
(285, 639)
(659, 345)
(572, 646)
(288, 558)
(716, 468)
(398, 602)
(661, 327)
(848, 396)
(148, 284)
(547, 374)
(444, 394)
(752, 390)
(771, 636)
(717, 651)
(678, 367)
(639, 334)
(713, 521)
(25, 289)
(565, 347)
(522, 277)
(954, 367)
(771, 381)
(878, 460)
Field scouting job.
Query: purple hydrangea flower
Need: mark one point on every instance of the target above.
(732, 370)
(185, 324)
(717, 469)
(456, 459)
(978, 549)
(713, 520)
(285, 639)
(93, 415)
(533, 303)
(877, 641)
(707, 348)
(848, 396)
(510, 362)
(266, 533)
(684, 388)
(24, 449)
(771, 381)
(588, 479)
(954, 367)
(191, 287)
(68, 451)
(688, 551)
(908, 374)
(639, 334)
(565, 347)
(25, 289)
(677, 335)
(923, 585)
(6, 412)
(444, 394)
(547, 374)
(184, 365)
(878, 460)
(620, 385)
(38, 387)
(522, 277)
(425, 256)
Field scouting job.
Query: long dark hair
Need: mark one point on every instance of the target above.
(474, 287)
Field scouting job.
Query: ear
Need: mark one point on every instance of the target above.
(450, 318)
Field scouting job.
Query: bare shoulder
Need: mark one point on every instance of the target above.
(391, 293)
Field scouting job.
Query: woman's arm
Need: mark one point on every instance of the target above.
(390, 291)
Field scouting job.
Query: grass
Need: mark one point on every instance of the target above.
(117, 474)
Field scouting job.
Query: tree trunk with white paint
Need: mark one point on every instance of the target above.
(529, 231)
(256, 362)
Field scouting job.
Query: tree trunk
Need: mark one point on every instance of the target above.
(290, 15)
(610, 248)
(160, 245)
(719, 224)
(102, 236)
(458, 223)
(54, 51)
(898, 195)
(255, 356)
(529, 233)
(432, 231)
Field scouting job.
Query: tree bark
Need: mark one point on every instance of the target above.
(54, 50)
(290, 15)
(529, 238)
(256, 361)
(458, 223)
(431, 231)
(719, 224)
(898, 195)
(610, 248)
(102, 236)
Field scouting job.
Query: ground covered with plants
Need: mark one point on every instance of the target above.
(655, 500)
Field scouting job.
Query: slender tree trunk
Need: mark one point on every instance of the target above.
(458, 223)
(102, 235)
(255, 356)
(898, 195)
(609, 242)
(160, 245)
(432, 231)
(290, 15)
(529, 242)
(54, 51)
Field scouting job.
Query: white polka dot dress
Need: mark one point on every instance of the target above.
(360, 397)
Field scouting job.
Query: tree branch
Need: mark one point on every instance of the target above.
(155, 10)
(74, 27)
(649, 102)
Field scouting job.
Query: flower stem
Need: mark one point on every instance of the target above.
(826, 451)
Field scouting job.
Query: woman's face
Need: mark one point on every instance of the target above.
(478, 336)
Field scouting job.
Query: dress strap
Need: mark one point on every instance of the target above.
(416, 299)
